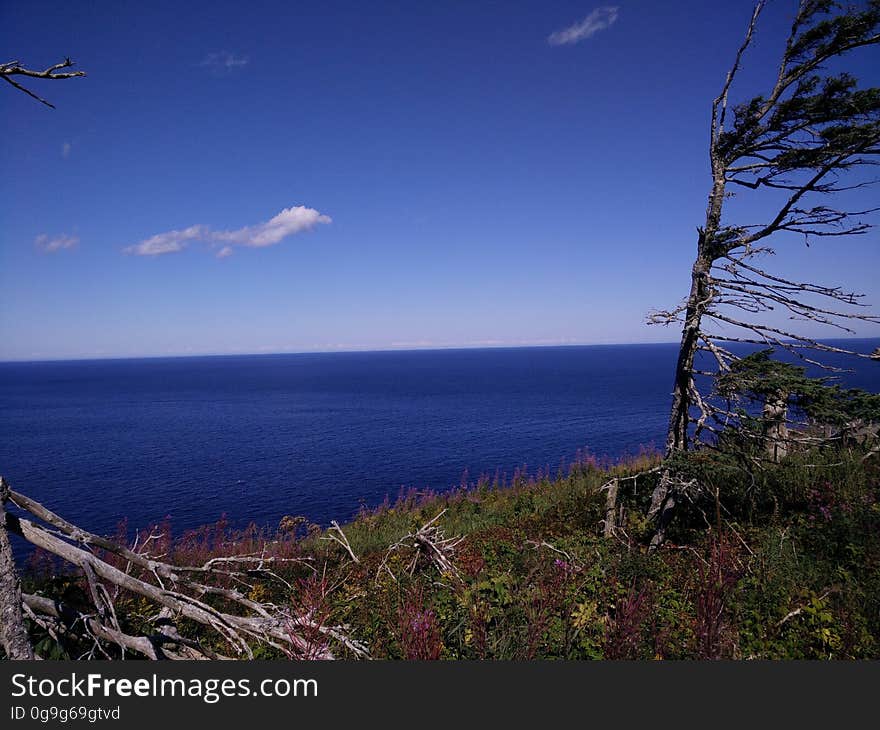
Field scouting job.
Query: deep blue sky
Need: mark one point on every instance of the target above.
(485, 186)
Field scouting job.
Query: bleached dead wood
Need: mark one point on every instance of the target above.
(427, 543)
(340, 540)
(610, 523)
(175, 594)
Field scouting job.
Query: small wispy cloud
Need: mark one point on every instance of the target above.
(600, 19)
(53, 244)
(224, 61)
(288, 222)
(65, 150)
(168, 242)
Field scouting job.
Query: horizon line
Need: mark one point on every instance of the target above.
(345, 350)
(353, 350)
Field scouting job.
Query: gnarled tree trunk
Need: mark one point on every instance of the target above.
(700, 297)
(679, 417)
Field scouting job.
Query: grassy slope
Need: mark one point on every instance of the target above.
(785, 564)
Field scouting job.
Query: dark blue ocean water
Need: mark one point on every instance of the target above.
(258, 437)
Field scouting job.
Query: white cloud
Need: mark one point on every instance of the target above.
(224, 61)
(169, 242)
(51, 244)
(600, 19)
(65, 150)
(288, 222)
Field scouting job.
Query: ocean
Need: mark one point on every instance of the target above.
(258, 437)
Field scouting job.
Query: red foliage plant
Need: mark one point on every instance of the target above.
(623, 635)
(717, 580)
(419, 629)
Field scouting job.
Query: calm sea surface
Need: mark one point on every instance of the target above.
(258, 437)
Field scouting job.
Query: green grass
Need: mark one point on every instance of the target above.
(785, 564)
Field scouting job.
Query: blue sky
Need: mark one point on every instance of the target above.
(349, 175)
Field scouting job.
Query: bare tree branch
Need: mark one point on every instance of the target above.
(174, 592)
(13, 68)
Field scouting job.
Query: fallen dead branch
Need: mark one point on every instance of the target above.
(800, 609)
(341, 539)
(216, 595)
(569, 559)
(427, 544)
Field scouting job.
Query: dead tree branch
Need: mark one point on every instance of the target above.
(174, 592)
(340, 540)
(428, 543)
(14, 68)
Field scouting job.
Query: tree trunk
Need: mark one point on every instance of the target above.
(662, 507)
(611, 509)
(775, 428)
(679, 417)
(12, 629)
(677, 440)
(698, 302)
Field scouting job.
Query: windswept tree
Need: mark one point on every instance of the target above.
(812, 136)
(780, 392)
(12, 69)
